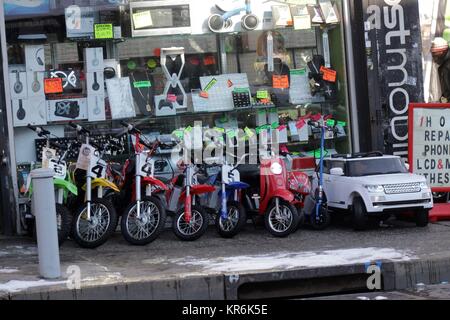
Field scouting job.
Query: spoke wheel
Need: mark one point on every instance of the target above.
(96, 231)
(195, 228)
(148, 226)
(235, 221)
(283, 220)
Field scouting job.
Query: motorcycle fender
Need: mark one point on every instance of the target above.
(154, 182)
(103, 183)
(285, 195)
(66, 185)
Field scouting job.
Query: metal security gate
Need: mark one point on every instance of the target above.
(8, 208)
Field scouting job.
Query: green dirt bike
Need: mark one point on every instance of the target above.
(61, 181)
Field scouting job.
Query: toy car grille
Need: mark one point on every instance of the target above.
(402, 188)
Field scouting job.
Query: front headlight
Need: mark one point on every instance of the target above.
(276, 168)
(375, 188)
(423, 185)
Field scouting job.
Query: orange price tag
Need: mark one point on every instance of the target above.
(280, 82)
(209, 61)
(204, 94)
(328, 74)
(53, 85)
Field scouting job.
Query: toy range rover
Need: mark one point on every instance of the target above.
(370, 186)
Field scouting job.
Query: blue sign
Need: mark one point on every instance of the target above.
(26, 7)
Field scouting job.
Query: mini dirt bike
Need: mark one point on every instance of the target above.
(316, 207)
(144, 219)
(190, 219)
(63, 186)
(96, 219)
(224, 202)
(269, 196)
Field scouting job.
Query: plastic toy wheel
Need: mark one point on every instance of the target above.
(148, 226)
(360, 217)
(96, 231)
(422, 218)
(237, 217)
(322, 221)
(195, 228)
(282, 222)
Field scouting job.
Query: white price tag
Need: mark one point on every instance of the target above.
(47, 155)
(84, 157)
(142, 19)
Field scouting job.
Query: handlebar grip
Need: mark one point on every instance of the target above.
(145, 143)
(123, 123)
(29, 126)
(79, 128)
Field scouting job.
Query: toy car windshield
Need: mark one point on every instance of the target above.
(359, 168)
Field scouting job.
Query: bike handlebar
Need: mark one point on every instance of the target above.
(131, 129)
(39, 130)
(79, 128)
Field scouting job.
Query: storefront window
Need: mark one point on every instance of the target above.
(166, 64)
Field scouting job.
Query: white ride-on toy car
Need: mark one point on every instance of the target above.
(373, 185)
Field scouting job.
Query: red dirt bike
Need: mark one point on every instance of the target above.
(190, 219)
(270, 197)
(144, 216)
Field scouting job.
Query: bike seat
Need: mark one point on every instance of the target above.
(249, 173)
(164, 180)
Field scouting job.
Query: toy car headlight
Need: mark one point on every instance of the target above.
(276, 168)
(375, 188)
(423, 185)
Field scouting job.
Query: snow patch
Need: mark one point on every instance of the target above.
(289, 260)
(9, 270)
(17, 285)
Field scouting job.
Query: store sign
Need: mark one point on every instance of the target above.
(394, 47)
(429, 151)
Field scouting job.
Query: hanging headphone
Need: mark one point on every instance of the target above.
(249, 22)
(38, 58)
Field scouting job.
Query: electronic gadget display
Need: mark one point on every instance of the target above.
(156, 18)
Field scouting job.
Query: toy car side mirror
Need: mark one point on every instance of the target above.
(407, 166)
(337, 172)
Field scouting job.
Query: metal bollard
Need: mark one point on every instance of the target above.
(44, 209)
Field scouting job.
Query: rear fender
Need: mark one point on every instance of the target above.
(103, 183)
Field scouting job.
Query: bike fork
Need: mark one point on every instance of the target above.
(89, 197)
(188, 205)
(60, 196)
(138, 196)
(224, 209)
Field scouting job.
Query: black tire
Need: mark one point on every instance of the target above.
(324, 219)
(285, 229)
(422, 218)
(153, 232)
(360, 217)
(108, 229)
(63, 223)
(237, 223)
(200, 228)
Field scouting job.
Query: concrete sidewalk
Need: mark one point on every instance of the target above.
(252, 265)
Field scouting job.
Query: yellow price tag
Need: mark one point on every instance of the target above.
(142, 19)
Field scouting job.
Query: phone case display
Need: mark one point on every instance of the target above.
(120, 98)
(35, 83)
(174, 96)
(142, 86)
(300, 91)
(96, 108)
(79, 21)
(93, 59)
(95, 83)
(219, 91)
(18, 85)
(67, 109)
(32, 111)
(35, 57)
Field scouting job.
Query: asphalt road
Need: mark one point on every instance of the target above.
(252, 250)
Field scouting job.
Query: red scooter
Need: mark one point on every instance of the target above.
(269, 196)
